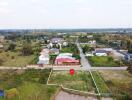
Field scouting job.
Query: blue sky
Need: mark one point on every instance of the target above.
(65, 14)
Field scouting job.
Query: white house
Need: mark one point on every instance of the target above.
(44, 57)
(89, 54)
(100, 53)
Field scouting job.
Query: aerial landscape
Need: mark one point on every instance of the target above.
(49, 53)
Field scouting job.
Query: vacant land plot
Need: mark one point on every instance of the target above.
(119, 82)
(14, 59)
(79, 81)
(107, 61)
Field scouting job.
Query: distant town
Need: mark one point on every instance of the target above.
(36, 64)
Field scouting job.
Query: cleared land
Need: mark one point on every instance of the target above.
(79, 81)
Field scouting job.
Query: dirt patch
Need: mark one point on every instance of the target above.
(66, 96)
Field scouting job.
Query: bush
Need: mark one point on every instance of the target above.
(12, 57)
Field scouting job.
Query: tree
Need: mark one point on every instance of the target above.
(86, 48)
(27, 49)
(12, 46)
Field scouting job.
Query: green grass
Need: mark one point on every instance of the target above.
(103, 61)
(103, 88)
(79, 81)
(35, 91)
(29, 85)
(1, 98)
(17, 61)
(71, 48)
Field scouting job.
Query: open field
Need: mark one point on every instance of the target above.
(14, 59)
(26, 85)
(104, 61)
(79, 81)
(119, 82)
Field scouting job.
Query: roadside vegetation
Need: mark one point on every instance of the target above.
(103, 88)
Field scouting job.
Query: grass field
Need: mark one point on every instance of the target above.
(36, 91)
(79, 81)
(119, 82)
(103, 88)
(14, 59)
(103, 61)
(28, 84)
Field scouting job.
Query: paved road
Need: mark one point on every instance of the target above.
(109, 68)
(85, 64)
(67, 68)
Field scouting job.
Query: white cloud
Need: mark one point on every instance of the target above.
(3, 3)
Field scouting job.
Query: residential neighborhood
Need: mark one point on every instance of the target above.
(65, 50)
(56, 56)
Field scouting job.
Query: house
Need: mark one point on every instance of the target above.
(101, 53)
(54, 51)
(90, 36)
(66, 59)
(108, 50)
(44, 57)
(128, 57)
(57, 40)
(89, 54)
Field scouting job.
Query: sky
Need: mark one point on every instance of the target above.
(50, 14)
